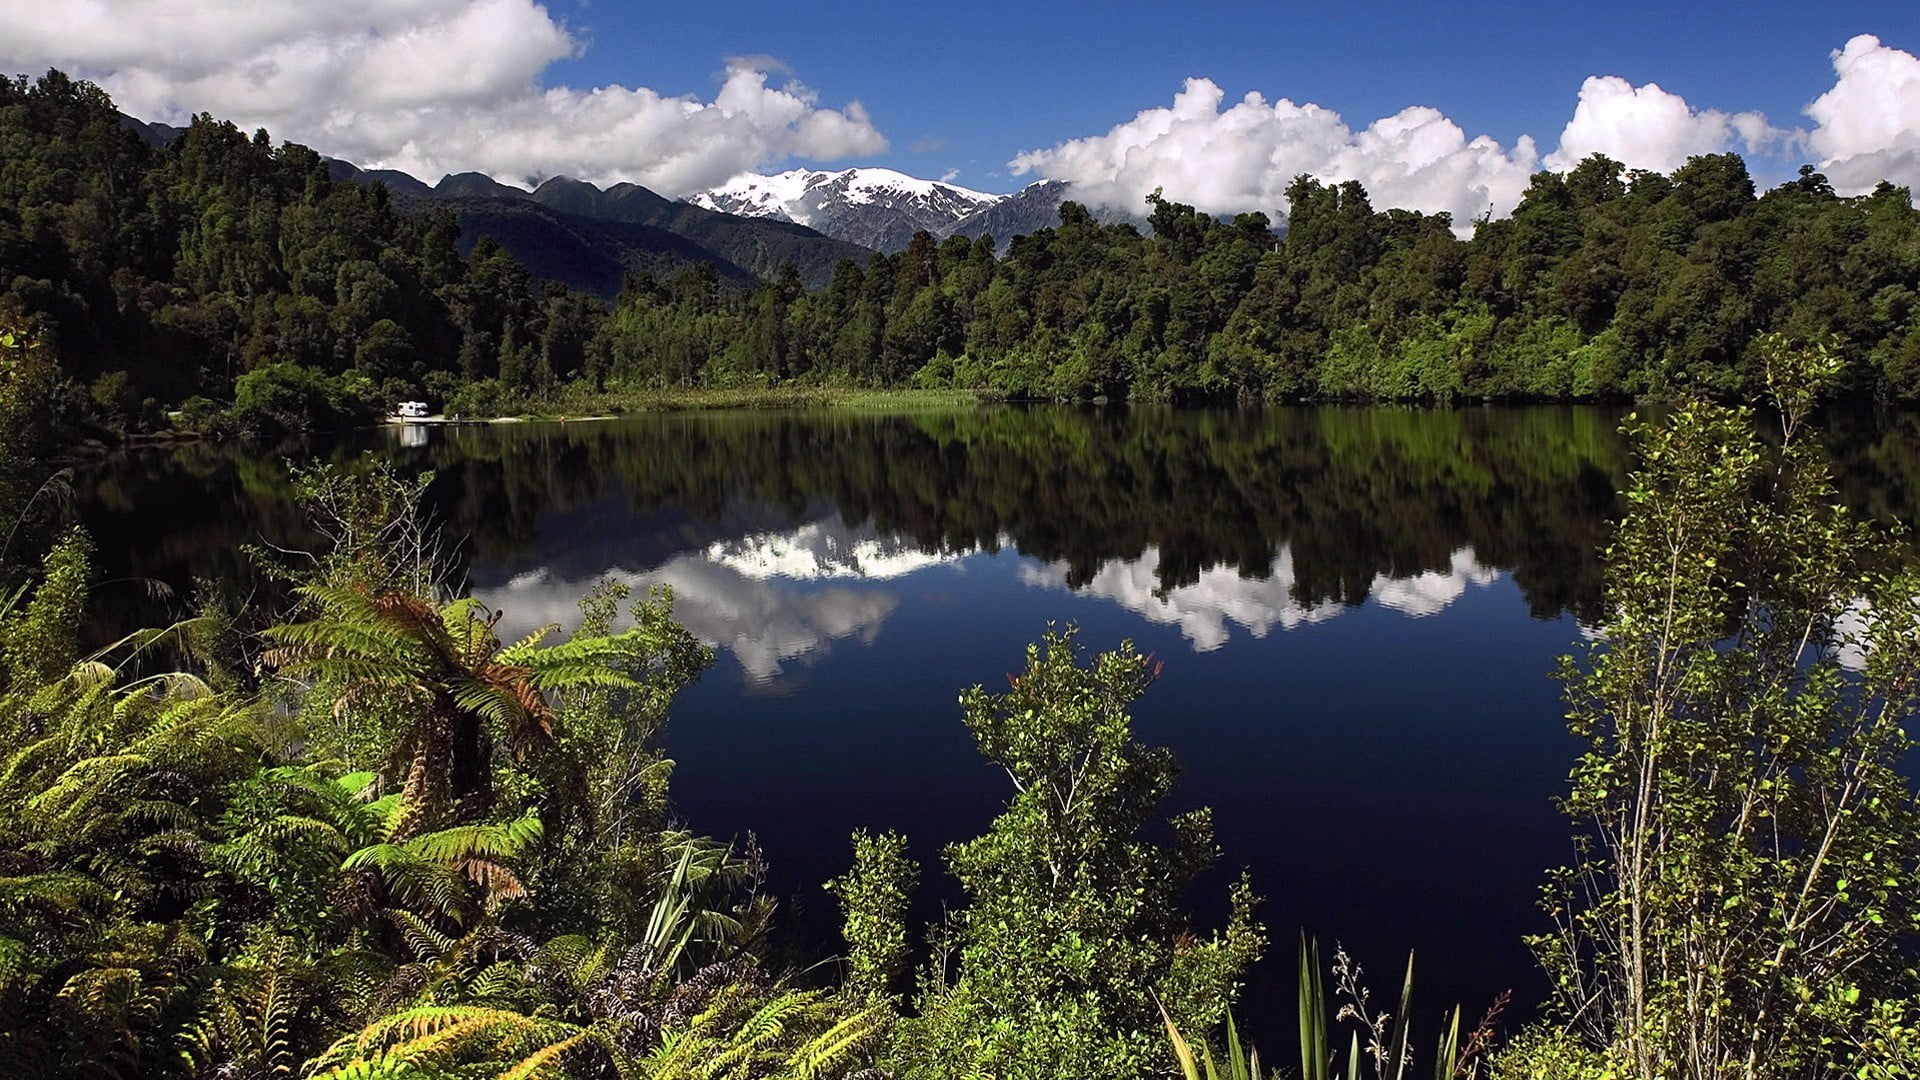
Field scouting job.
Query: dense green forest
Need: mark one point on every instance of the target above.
(1604, 282)
(233, 279)
(226, 274)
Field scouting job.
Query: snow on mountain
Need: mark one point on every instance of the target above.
(879, 208)
(753, 195)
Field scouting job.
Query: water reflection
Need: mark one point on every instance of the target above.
(756, 597)
(865, 568)
(1257, 604)
(1263, 517)
(827, 549)
(1431, 592)
(1351, 493)
(761, 622)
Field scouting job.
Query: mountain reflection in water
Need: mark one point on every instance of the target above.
(1329, 502)
(855, 572)
(745, 596)
(1385, 771)
(754, 597)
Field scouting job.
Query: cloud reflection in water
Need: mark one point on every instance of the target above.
(744, 595)
(765, 597)
(1203, 609)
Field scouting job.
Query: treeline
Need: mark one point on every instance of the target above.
(227, 275)
(233, 278)
(1604, 282)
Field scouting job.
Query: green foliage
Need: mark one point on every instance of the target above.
(380, 646)
(224, 267)
(189, 270)
(873, 900)
(29, 408)
(1748, 842)
(1601, 284)
(108, 790)
(1541, 1052)
(1388, 1053)
(179, 898)
(38, 640)
(28, 385)
(739, 1030)
(791, 1035)
(284, 398)
(1073, 925)
(1240, 1064)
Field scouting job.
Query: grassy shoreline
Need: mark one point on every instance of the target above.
(614, 404)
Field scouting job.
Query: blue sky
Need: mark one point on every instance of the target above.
(991, 79)
(1439, 107)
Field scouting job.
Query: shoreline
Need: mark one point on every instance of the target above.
(616, 405)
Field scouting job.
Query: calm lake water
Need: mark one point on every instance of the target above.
(1358, 609)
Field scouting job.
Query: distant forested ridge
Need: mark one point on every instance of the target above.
(240, 280)
(1604, 282)
(589, 239)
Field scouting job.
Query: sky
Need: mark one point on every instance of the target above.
(1434, 106)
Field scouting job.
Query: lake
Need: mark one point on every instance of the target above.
(1359, 610)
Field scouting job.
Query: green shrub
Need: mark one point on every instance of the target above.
(284, 398)
(1073, 934)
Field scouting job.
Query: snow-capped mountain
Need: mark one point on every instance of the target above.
(877, 208)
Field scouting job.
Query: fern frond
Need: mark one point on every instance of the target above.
(831, 1048)
(526, 646)
(58, 891)
(286, 827)
(13, 959)
(498, 980)
(464, 842)
(495, 881)
(425, 942)
(543, 1060)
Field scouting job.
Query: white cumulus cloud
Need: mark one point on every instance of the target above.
(1243, 157)
(427, 86)
(1649, 128)
(1867, 128)
(1227, 158)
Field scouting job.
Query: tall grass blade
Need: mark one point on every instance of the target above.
(1236, 1057)
(1397, 1057)
(1315, 1064)
(1448, 1053)
(1182, 1052)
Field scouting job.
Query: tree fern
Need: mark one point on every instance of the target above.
(433, 1039)
(791, 1034)
(445, 666)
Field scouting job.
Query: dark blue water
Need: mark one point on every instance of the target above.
(1359, 611)
(1385, 774)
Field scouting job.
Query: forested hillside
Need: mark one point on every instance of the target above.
(588, 238)
(1603, 282)
(227, 269)
(235, 278)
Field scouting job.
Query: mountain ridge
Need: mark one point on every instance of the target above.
(751, 224)
(614, 230)
(883, 208)
(874, 207)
